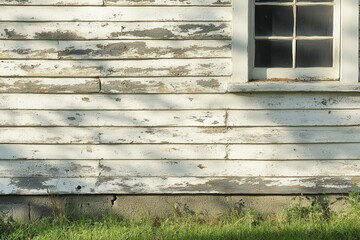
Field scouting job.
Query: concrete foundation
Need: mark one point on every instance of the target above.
(31, 208)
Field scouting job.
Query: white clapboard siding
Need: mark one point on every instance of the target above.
(180, 101)
(344, 117)
(275, 87)
(119, 2)
(28, 49)
(49, 85)
(140, 49)
(115, 14)
(114, 85)
(51, 2)
(111, 118)
(178, 168)
(203, 135)
(165, 85)
(350, 151)
(173, 118)
(146, 68)
(167, 2)
(123, 151)
(115, 30)
(179, 185)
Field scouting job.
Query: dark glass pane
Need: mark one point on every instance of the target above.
(273, 53)
(314, 21)
(314, 53)
(274, 20)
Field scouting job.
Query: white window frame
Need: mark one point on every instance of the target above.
(349, 50)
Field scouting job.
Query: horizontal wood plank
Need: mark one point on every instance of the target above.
(51, 2)
(179, 101)
(320, 86)
(139, 49)
(339, 151)
(114, 85)
(294, 118)
(177, 168)
(115, 30)
(167, 2)
(131, 68)
(115, 14)
(49, 85)
(119, 2)
(28, 49)
(165, 85)
(243, 118)
(179, 185)
(111, 118)
(125, 151)
(188, 135)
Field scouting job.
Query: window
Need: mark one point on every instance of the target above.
(295, 40)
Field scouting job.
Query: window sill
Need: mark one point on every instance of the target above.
(259, 86)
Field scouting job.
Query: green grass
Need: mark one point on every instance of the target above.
(298, 222)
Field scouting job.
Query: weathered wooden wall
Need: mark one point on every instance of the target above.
(123, 96)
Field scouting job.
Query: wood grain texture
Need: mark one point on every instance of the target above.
(173, 135)
(115, 14)
(49, 85)
(180, 101)
(145, 68)
(116, 30)
(179, 185)
(51, 2)
(114, 85)
(174, 85)
(28, 49)
(141, 49)
(345, 117)
(177, 168)
(118, 2)
(123, 151)
(171, 118)
(111, 118)
(167, 2)
(340, 151)
(321, 86)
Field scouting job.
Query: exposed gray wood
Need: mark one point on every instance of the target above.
(350, 151)
(326, 86)
(107, 14)
(49, 85)
(165, 85)
(177, 168)
(112, 118)
(51, 2)
(344, 117)
(188, 135)
(128, 49)
(115, 30)
(167, 2)
(179, 101)
(180, 185)
(28, 49)
(131, 68)
(114, 85)
(124, 151)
